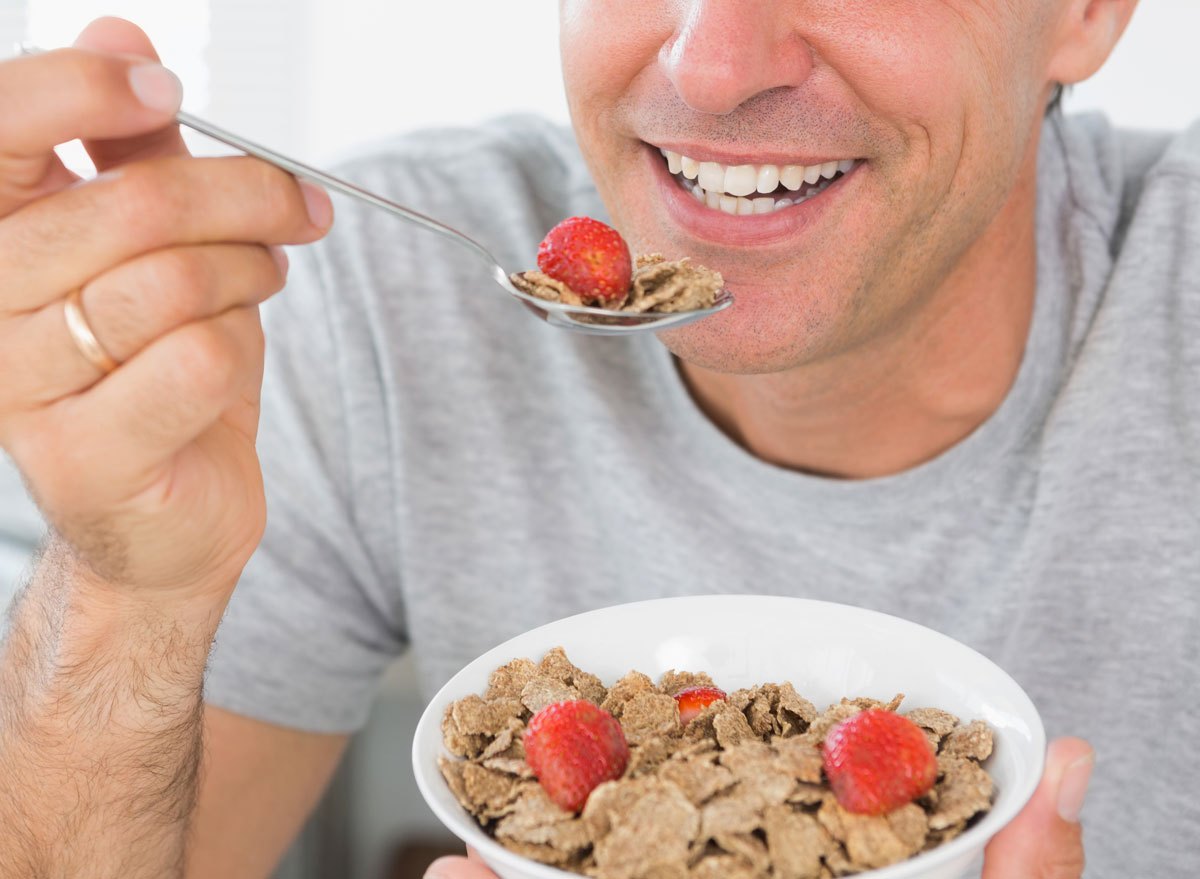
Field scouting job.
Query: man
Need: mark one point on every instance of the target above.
(958, 384)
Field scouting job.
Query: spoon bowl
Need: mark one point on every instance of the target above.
(606, 322)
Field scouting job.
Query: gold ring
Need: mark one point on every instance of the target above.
(83, 337)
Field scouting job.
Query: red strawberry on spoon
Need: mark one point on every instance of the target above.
(590, 258)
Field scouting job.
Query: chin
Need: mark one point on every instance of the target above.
(752, 338)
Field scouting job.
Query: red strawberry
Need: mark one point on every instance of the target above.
(693, 700)
(590, 258)
(878, 761)
(572, 747)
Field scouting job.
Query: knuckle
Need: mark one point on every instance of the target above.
(69, 83)
(94, 78)
(148, 297)
(85, 82)
(116, 313)
(182, 278)
(275, 278)
(277, 194)
(205, 360)
(146, 203)
(1065, 865)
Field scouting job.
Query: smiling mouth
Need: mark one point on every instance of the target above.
(745, 190)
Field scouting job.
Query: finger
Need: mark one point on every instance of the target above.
(116, 36)
(55, 97)
(458, 868)
(242, 416)
(1045, 841)
(58, 243)
(127, 308)
(111, 444)
(25, 178)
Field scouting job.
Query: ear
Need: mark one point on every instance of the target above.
(1087, 33)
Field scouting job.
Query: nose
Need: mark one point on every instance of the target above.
(727, 51)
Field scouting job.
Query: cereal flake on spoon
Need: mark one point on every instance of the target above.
(585, 262)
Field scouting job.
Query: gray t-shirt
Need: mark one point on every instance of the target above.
(444, 472)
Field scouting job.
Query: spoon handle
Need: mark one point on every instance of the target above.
(343, 186)
(300, 169)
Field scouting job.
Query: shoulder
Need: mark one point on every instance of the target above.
(1119, 177)
(1135, 199)
(522, 155)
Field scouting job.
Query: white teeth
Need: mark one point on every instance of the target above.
(792, 177)
(745, 180)
(712, 176)
(741, 180)
(726, 189)
(768, 178)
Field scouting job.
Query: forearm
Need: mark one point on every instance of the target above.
(100, 727)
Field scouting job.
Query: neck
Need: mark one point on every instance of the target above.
(906, 396)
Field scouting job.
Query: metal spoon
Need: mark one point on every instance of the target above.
(583, 319)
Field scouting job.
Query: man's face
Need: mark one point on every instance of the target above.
(935, 102)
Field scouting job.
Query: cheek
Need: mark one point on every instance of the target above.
(609, 48)
(940, 73)
(605, 44)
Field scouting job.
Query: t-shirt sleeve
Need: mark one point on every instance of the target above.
(316, 617)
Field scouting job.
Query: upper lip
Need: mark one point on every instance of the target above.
(727, 156)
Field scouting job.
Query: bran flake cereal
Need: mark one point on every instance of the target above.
(658, 285)
(739, 793)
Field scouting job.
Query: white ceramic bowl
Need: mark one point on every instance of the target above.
(826, 650)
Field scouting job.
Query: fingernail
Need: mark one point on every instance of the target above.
(1073, 788)
(156, 87)
(281, 258)
(320, 208)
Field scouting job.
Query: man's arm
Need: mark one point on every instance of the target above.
(100, 726)
(142, 460)
(75, 691)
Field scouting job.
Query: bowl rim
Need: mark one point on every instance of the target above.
(467, 829)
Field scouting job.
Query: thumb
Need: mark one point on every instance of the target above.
(120, 37)
(1045, 841)
(458, 868)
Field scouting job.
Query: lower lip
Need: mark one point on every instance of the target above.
(750, 230)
